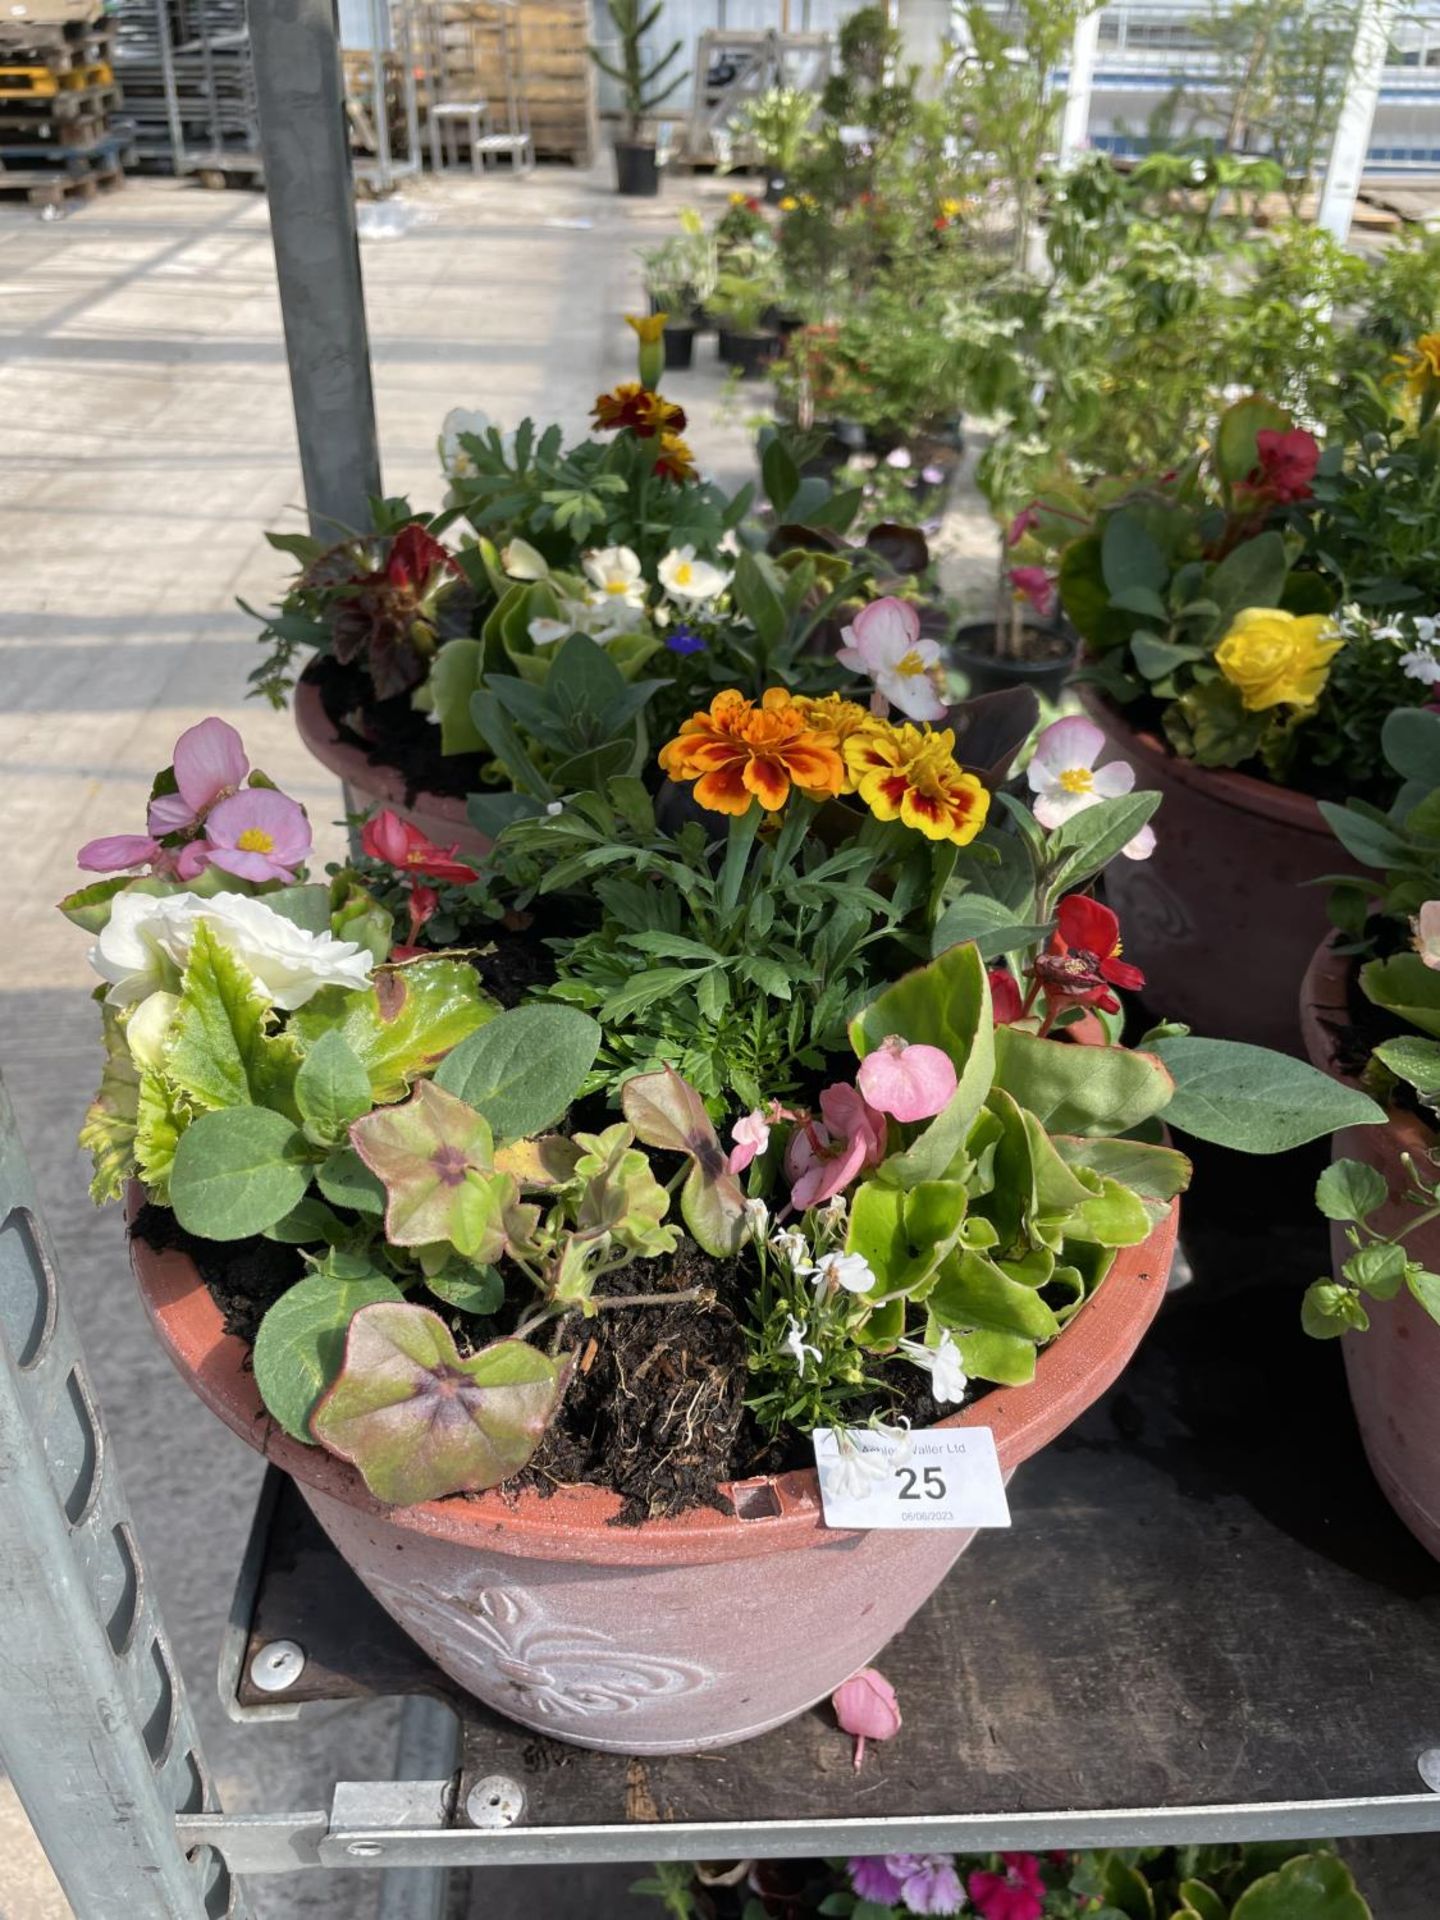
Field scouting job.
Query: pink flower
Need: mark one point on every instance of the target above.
(823, 1156)
(885, 645)
(908, 1083)
(867, 1709)
(1021, 525)
(1425, 927)
(210, 762)
(751, 1136)
(117, 851)
(1005, 1001)
(872, 1879)
(928, 1882)
(1017, 1892)
(1035, 585)
(258, 834)
(389, 838)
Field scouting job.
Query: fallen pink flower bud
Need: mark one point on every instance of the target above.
(867, 1709)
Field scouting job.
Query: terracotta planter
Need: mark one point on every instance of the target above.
(1219, 916)
(439, 815)
(1393, 1367)
(669, 1637)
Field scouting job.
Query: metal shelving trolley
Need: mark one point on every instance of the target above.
(1266, 1662)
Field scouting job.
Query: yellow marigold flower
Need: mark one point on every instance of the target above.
(950, 208)
(788, 203)
(738, 199)
(1421, 365)
(910, 774)
(1277, 659)
(838, 717)
(674, 461)
(737, 753)
(648, 326)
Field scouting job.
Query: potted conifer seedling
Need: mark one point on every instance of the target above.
(645, 87)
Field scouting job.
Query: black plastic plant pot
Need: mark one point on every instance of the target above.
(782, 321)
(679, 346)
(749, 353)
(1051, 655)
(776, 188)
(637, 171)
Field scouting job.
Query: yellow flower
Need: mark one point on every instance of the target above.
(1277, 659)
(950, 208)
(1421, 366)
(789, 203)
(674, 461)
(840, 718)
(738, 199)
(737, 753)
(910, 774)
(648, 326)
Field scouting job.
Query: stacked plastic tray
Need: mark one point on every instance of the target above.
(203, 48)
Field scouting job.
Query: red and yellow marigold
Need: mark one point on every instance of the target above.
(737, 753)
(910, 774)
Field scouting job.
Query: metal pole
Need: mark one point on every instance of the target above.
(1075, 126)
(306, 155)
(1356, 118)
(95, 1730)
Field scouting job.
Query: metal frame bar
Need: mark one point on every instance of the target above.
(95, 1729)
(1356, 119)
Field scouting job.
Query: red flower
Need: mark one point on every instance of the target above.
(389, 838)
(1005, 1000)
(1017, 1892)
(414, 556)
(1081, 963)
(1287, 465)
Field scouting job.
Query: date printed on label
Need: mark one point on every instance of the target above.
(946, 1477)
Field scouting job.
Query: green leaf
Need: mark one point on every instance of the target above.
(780, 476)
(301, 1342)
(667, 1113)
(1349, 1190)
(1202, 1902)
(309, 1223)
(221, 1052)
(161, 1117)
(905, 1235)
(523, 1069)
(1115, 1217)
(89, 907)
(1089, 841)
(478, 1290)
(973, 1295)
(1425, 1286)
(455, 674)
(1154, 1174)
(1405, 986)
(1130, 557)
(404, 1024)
(1080, 1090)
(419, 1421)
(332, 1088)
(304, 906)
(1236, 451)
(1378, 1269)
(1330, 1309)
(1415, 1061)
(1257, 1101)
(1316, 1886)
(1410, 740)
(1158, 658)
(1253, 575)
(108, 1131)
(1371, 842)
(237, 1172)
(346, 1181)
(435, 1158)
(993, 927)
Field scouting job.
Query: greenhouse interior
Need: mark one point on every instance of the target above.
(722, 726)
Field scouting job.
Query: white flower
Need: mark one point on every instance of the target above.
(948, 1379)
(522, 561)
(147, 1026)
(852, 1271)
(147, 939)
(883, 642)
(853, 1474)
(1063, 774)
(792, 1247)
(549, 633)
(757, 1218)
(686, 578)
(605, 616)
(615, 574)
(453, 457)
(554, 808)
(835, 1212)
(795, 1344)
(900, 1438)
(1421, 665)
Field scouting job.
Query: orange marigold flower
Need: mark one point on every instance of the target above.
(910, 774)
(620, 408)
(675, 461)
(654, 415)
(737, 753)
(842, 719)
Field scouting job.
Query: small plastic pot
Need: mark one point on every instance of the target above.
(637, 170)
(679, 342)
(973, 651)
(749, 353)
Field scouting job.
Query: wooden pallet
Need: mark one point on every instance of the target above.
(32, 82)
(57, 193)
(19, 132)
(556, 75)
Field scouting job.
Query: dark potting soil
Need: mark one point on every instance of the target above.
(390, 733)
(1036, 643)
(655, 1410)
(513, 960)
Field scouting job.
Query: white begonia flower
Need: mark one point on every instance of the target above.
(853, 1474)
(852, 1271)
(522, 561)
(146, 942)
(453, 457)
(615, 574)
(606, 616)
(792, 1247)
(884, 642)
(549, 633)
(148, 1025)
(685, 578)
(948, 1379)
(1063, 776)
(795, 1344)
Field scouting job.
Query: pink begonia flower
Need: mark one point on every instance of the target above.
(1426, 928)
(210, 762)
(258, 834)
(1063, 775)
(885, 645)
(1021, 525)
(1017, 1892)
(823, 1156)
(1035, 585)
(867, 1709)
(909, 1083)
(751, 1136)
(114, 852)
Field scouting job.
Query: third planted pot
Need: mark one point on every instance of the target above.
(1220, 916)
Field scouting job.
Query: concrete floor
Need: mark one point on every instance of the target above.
(147, 442)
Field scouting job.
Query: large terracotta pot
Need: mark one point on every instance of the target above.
(1219, 916)
(675, 1635)
(370, 784)
(1393, 1368)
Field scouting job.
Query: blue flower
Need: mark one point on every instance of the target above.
(684, 640)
